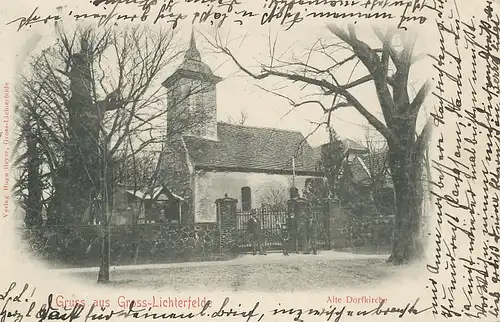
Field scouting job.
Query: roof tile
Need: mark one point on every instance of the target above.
(256, 148)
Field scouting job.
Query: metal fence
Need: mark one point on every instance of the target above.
(271, 221)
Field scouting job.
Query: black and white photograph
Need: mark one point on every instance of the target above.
(121, 163)
(273, 147)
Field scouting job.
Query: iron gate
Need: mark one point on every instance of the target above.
(271, 222)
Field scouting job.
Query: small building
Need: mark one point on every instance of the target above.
(146, 205)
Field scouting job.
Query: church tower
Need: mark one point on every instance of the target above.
(191, 94)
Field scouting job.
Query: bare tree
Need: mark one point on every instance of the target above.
(30, 163)
(274, 197)
(333, 156)
(376, 160)
(241, 121)
(387, 69)
(95, 102)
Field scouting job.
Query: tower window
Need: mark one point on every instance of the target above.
(246, 199)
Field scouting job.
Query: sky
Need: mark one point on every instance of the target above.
(239, 93)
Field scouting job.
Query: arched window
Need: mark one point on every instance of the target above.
(246, 199)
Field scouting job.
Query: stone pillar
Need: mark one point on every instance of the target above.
(226, 220)
(333, 211)
(337, 224)
(299, 207)
(321, 207)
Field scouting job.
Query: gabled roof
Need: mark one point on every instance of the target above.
(360, 173)
(246, 148)
(363, 163)
(317, 153)
(350, 145)
(146, 193)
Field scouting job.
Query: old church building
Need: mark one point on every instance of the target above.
(206, 159)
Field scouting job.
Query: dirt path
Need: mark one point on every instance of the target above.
(245, 259)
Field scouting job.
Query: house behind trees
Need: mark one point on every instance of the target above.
(364, 179)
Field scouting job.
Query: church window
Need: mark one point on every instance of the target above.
(246, 199)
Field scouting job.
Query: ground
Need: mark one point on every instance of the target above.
(273, 272)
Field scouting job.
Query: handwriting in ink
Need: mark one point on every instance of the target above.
(408, 14)
(167, 15)
(282, 11)
(14, 303)
(145, 5)
(32, 19)
(459, 169)
(227, 5)
(339, 313)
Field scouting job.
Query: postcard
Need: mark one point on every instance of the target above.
(237, 160)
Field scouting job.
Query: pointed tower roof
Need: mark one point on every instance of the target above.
(192, 65)
(192, 53)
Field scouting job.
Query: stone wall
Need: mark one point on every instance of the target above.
(157, 243)
(145, 243)
(348, 230)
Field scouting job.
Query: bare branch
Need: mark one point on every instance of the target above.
(420, 97)
(359, 81)
(376, 66)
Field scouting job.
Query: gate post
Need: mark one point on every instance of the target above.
(330, 211)
(226, 220)
(321, 207)
(336, 223)
(299, 206)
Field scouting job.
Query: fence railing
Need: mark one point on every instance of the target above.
(271, 221)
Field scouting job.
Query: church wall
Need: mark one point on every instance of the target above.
(209, 186)
(176, 175)
(192, 108)
(210, 101)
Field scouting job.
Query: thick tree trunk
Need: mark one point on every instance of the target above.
(33, 216)
(83, 123)
(406, 178)
(106, 205)
(103, 276)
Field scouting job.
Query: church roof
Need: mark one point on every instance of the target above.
(192, 66)
(245, 148)
(192, 59)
